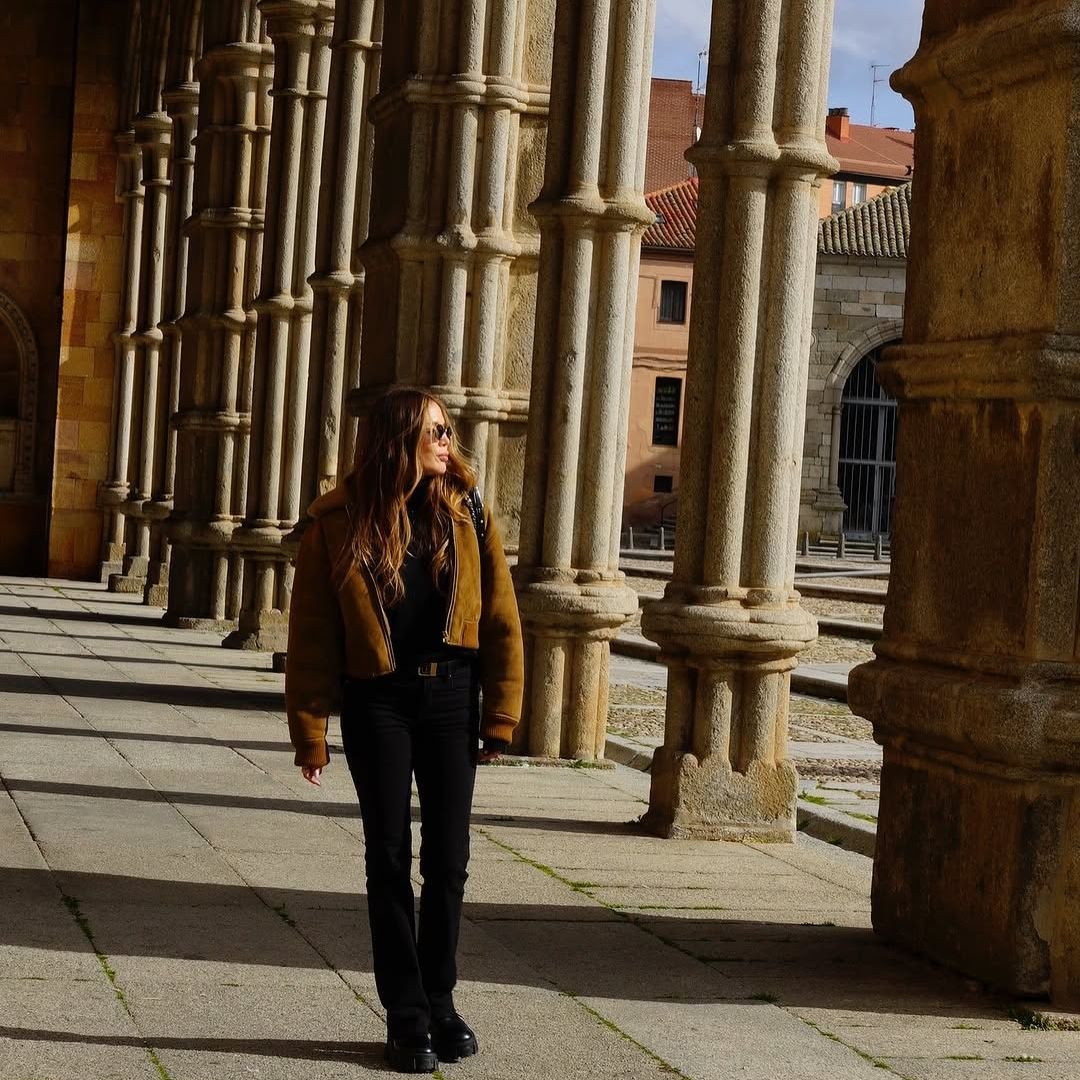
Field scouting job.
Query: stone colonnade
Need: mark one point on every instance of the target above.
(218, 325)
(300, 32)
(592, 213)
(730, 625)
(975, 691)
(471, 224)
(450, 258)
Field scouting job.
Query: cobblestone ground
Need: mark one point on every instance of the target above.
(176, 904)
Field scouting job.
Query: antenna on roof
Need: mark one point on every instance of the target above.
(699, 93)
(873, 87)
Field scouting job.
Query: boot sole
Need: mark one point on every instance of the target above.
(412, 1063)
(459, 1052)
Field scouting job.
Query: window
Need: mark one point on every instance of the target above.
(839, 195)
(858, 194)
(662, 484)
(665, 422)
(672, 301)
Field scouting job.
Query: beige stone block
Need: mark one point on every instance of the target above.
(84, 166)
(871, 297)
(77, 360)
(97, 391)
(889, 311)
(857, 309)
(93, 436)
(67, 435)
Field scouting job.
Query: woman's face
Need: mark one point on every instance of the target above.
(434, 448)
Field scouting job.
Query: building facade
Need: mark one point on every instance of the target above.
(849, 451)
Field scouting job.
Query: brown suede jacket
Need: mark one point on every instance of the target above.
(338, 628)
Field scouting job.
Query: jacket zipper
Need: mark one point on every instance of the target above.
(383, 621)
(453, 589)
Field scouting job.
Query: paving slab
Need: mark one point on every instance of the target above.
(149, 800)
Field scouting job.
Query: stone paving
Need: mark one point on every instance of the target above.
(177, 903)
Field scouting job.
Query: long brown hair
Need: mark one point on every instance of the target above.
(387, 470)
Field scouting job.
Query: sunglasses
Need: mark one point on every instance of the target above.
(437, 431)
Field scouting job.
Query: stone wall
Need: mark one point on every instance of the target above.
(858, 306)
(91, 304)
(36, 44)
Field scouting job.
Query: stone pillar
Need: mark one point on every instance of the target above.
(592, 213)
(344, 212)
(217, 329)
(975, 691)
(450, 254)
(300, 31)
(114, 493)
(181, 102)
(829, 499)
(730, 625)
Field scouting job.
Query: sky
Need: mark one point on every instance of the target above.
(865, 32)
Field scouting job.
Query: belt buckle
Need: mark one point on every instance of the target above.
(428, 671)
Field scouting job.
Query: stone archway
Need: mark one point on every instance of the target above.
(829, 500)
(15, 321)
(883, 333)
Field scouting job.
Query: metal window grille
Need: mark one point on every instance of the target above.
(666, 403)
(673, 301)
(867, 451)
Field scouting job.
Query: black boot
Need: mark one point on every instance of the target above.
(411, 1054)
(452, 1037)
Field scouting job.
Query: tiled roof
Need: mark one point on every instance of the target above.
(881, 227)
(676, 217)
(675, 111)
(885, 153)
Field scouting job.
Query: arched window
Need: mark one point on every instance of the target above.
(867, 451)
(18, 398)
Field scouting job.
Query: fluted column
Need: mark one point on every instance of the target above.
(975, 690)
(300, 31)
(344, 210)
(152, 138)
(729, 624)
(217, 329)
(114, 493)
(449, 259)
(592, 213)
(181, 104)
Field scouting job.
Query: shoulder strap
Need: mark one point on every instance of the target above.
(476, 509)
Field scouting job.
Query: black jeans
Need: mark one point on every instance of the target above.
(393, 727)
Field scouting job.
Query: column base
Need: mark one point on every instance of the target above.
(264, 631)
(126, 583)
(156, 595)
(191, 622)
(109, 569)
(977, 862)
(708, 800)
(980, 871)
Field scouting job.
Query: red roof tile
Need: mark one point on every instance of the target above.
(887, 153)
(676, 217)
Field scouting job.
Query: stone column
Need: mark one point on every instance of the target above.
(975, 691)
(730, 625)
(829, 500)
(344, 210)
(217, 328)
(181, 103)
(114, 493)
(448, 260)
(592, 213)
(300, 31)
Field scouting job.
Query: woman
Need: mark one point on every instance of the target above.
(403, 609)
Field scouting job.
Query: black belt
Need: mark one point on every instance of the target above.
(438, 669)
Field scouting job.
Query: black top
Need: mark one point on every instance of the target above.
(418, 619)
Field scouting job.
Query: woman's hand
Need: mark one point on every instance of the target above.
(311, 775)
